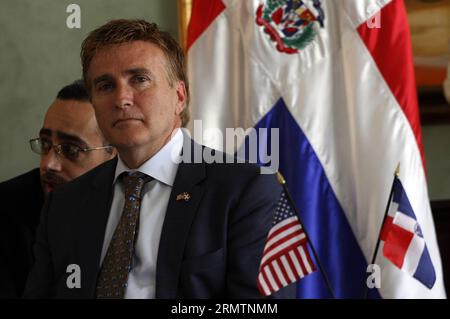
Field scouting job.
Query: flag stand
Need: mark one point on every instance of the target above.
(282, 181)
(396, 174)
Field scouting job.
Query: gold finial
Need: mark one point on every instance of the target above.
(280, 178)
(397, 170)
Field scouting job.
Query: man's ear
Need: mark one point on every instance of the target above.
(113, 153)
(181, 97)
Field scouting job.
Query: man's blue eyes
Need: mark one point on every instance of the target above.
(135, 79)
(140, 79)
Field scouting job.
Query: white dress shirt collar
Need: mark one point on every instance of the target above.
(162, 166)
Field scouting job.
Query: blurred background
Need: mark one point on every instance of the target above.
(39, 54)
(430, 34)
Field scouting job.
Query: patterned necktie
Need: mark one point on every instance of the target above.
(113, 276)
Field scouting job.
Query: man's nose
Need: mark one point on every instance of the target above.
(124, 95)
(51, 161)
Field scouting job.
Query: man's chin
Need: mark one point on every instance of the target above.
(49, 181)
(130, 143)
(47, 188)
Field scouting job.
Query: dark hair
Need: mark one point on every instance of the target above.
(77, 91)
(123, 31)
(74, 91)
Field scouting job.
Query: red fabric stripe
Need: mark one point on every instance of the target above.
(308, 257)
(261, 290)
(284, 239)
(278, 256)
(390, 47)
(386, 228)
(293, 269)
(396, 245)
(285, 251)
(282, 229)
(300, 261)
(275, 276)
(269, 285)
(203, 14)
(283, 271)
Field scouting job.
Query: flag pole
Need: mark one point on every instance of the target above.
(388, 205)
(282, 181)
(184, 15)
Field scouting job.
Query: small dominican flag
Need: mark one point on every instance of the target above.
(286, 258)
(404, 244)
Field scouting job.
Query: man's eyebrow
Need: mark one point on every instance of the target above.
(45, 131)
(134, 71)
(70, 138)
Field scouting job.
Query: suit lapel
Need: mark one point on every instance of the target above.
(95, 212)
(177, 222)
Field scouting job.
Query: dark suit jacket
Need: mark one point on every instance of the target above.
(21, 201)
(210, 246)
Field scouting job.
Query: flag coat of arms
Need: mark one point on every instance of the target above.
(336, 78)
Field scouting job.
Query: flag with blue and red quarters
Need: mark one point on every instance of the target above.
(404, 242)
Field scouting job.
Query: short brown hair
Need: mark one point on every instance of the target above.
(122, 31)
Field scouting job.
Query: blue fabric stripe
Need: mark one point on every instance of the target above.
(320, 212)
(425, 271)
(402, 200)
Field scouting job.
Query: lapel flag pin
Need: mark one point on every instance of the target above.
(184, 196)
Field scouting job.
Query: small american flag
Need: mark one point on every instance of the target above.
(286, 258)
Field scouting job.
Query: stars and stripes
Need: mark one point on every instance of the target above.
(286, 258)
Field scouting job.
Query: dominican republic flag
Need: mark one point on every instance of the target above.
(336, 78)
(404, 243)
(286, 257)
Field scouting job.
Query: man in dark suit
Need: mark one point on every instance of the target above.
(145, 225)
(68, 134)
